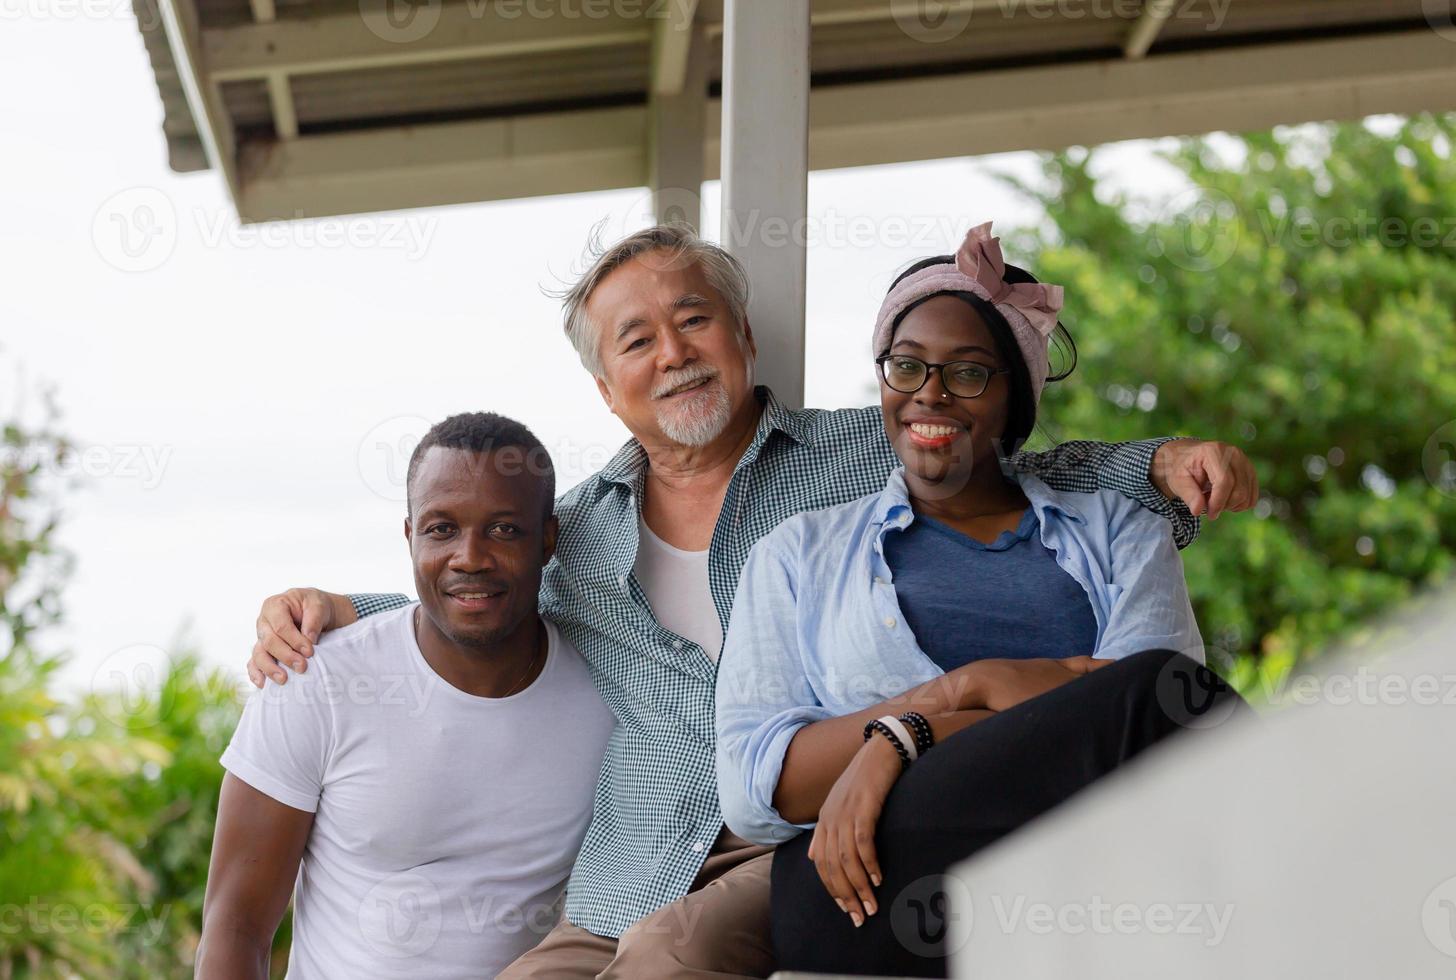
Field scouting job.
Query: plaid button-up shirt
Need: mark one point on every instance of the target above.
(656, 813)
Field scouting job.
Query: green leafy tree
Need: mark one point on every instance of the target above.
(58, 858)
(1297, 302)
(107, 802)
(189, 714)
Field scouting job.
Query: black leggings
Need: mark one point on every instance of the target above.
(979, 785)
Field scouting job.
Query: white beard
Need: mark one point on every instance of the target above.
(700, 420)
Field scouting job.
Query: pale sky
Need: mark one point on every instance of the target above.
(236, 391)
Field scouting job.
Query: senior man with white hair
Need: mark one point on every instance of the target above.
(642, 583)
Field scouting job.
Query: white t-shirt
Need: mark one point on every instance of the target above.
(445, 824)
(676, 583)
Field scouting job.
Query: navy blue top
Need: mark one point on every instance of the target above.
(965, 600)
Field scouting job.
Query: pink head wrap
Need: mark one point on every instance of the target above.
(1030, 308)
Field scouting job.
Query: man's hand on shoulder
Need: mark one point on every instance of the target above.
(1210, 477)
(288, 626)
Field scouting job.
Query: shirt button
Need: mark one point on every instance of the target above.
(879, 580)
(890, 621)
(698, 847)
(621, 580)
(677, 644)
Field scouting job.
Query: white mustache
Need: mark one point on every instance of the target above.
(682, 378)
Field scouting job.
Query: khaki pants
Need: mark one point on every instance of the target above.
(718, 930)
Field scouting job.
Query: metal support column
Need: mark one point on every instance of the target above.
(676, 116)
(766, 176)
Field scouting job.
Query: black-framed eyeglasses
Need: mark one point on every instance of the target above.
(963, 379)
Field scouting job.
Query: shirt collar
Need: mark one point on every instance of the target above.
(627, 466)
(1045, 500)
(776, 417)
(893, 511)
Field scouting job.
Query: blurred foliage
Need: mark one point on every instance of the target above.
(107, 800)
(1297, 301)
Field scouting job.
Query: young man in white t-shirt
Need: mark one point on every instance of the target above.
(428, 782)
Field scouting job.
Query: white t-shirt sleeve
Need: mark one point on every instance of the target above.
(282, 743)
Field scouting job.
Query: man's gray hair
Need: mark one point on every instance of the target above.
(724, 273)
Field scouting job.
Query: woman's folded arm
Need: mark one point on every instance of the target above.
(763, 695)
(819, 753)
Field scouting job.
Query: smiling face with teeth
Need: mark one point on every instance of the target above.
(479, 535)
(676, 367)
(944, 441)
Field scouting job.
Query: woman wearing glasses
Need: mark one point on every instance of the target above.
(915, 674)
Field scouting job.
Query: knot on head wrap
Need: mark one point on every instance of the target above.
(1030, 308)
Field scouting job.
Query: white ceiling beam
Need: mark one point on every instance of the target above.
(856, 11)
(675, 164)
(280, 93)
(672, 43)
(363, 39)
(280, 97)
(204, 100)
(445, 163)
(829, 12)
(1149, 25)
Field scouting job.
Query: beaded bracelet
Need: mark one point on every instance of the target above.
(879, 726)
(920, 728)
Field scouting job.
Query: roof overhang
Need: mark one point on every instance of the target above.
(313, 109)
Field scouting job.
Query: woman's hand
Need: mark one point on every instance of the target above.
(843, 847)
(1000, 684)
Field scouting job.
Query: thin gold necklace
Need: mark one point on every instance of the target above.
(532, 663)
(539, 647)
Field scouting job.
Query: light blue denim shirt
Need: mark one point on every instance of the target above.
(817, 631)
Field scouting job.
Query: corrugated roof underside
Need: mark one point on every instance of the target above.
(845, 49)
